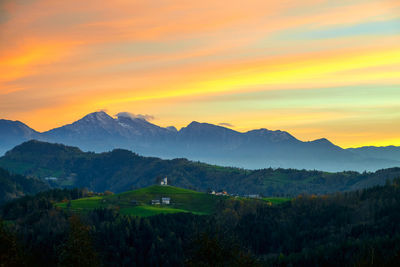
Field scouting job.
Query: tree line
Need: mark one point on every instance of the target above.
(358, 228)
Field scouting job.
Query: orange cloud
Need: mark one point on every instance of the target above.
(63, 59)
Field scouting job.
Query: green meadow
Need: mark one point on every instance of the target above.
(138, 202)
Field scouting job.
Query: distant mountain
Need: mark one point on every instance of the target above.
(383, 152)
(100, 132)
(121, 170)
(13, 133)
(205, 142)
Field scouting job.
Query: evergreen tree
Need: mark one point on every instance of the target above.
(78, 250)
(10, 253)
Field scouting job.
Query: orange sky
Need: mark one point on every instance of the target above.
(314, 68)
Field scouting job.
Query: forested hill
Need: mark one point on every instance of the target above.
(121, 170)
(359, 228)
(14, 186)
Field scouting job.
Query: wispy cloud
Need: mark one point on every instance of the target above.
(166, 57)
(135, 116)
(225, 124)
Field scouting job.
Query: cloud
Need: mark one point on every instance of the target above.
(135, 116)
(225, 124)
(182, 57)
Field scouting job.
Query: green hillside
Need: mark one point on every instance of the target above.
(138, 202)
(13, 186)
(121, 170)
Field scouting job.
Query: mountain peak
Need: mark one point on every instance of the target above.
(96, 118)
(16, 129)
(98, 115)
(275, 136)
(322, 141)
(11, 123)
(196, 124)
(171, 128)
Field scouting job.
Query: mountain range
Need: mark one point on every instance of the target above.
(203, 142)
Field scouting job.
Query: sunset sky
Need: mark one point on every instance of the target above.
(313, 68)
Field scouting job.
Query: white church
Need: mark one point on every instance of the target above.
(164, 181)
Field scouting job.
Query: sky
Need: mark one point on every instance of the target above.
(313, 68)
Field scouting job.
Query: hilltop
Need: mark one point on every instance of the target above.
(138, 202)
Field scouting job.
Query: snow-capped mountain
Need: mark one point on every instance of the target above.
(201, 141)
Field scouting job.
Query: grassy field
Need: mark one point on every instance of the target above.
(138, 202)
(182, 200)
(144, 211)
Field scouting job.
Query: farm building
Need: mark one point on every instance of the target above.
(165, 200)
(155, 202)
(222, 193)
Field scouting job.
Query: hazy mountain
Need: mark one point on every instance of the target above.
(121, 170)
(384, 152)
(13, 133)
(205, 142)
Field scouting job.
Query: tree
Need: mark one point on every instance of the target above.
(10, 254)
(78, 250)
(108, 193)
(211, 251)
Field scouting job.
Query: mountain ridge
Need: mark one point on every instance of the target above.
(121, 170)
(214, 144)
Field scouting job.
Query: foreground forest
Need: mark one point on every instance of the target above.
(359, 228)
(121, 170)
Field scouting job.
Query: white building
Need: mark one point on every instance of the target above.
(164, 181)
(165, 200)
(155, 202)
